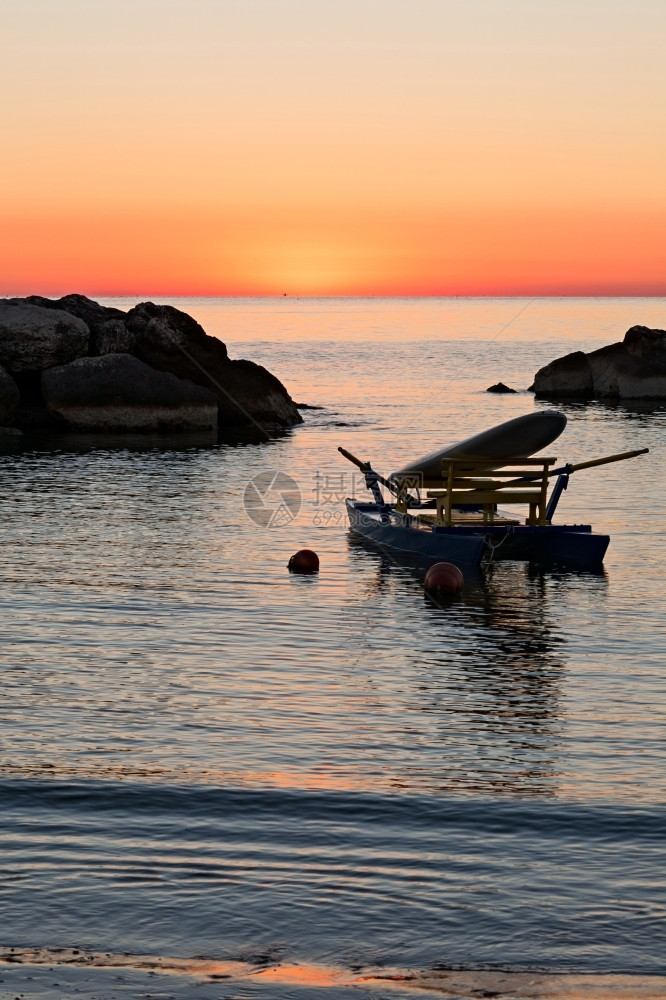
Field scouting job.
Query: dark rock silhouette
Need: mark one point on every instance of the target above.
(118, 392)
(33, 338)
(9, 397)
(170, 340)
(570, 375)
(499, 387)
(38, 335)
(31, 414)
(632, 369)
(108, 332)
(167, 336)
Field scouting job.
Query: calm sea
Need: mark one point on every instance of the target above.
(300, 782)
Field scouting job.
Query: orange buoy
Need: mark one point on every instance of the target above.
(304, 561)
(444, 578)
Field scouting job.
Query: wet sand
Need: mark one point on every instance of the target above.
(51, 974)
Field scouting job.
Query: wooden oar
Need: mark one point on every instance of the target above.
(354, 460)
(367, 468)
(568, 469)
(372, 480)
(620, 457)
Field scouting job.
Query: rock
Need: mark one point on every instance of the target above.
(33, 337)
(633, 369)
(92, 313)
(605, 365)
(38, 334)
(167, 335)
(112, 337)
(646, 345)
(567, 376)
(499, 387)
(247, 392)
(9, 397)
(32, 414)
(108, 332)
(170, 340)
(117, 392)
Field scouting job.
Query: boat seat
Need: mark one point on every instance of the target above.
(475, 483)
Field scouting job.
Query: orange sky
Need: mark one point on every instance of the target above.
(337, 147)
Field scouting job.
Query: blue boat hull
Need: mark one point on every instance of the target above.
(456, 548)
(573, 545)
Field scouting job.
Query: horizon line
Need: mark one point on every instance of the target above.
(367, 295)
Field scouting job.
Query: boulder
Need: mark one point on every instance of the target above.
(567, 376)
(111, 337)
(117, 392)
(632, 369)
(167, 336)
(248, 392)
(33, 337)
(606, 365)
(9, 397)
(170, 340)
(37, 334)
(500, 387)
(92, 313)
(108, 332)
(646, 345)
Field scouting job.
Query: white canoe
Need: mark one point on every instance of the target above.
(520, 437)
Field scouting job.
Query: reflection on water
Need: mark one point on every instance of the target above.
(652, 410)
(489, 664)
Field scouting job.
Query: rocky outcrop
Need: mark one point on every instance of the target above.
(9, 397)
(39, 335)
(170, 340)
(108, 331)
(33, 338)
(632, 369)
(117, 392)
(245, 389)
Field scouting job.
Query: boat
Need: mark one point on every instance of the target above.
(461, 518)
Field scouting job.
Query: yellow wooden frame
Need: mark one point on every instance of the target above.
(481, 483)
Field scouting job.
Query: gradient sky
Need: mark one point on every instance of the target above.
(333, 147)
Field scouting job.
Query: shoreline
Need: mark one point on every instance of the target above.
(50, 973)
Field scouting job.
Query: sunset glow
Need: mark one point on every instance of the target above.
(369, 148)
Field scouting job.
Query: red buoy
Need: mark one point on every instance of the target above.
(304, 561)
(444, 578)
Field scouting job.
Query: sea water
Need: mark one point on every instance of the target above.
(205, 758)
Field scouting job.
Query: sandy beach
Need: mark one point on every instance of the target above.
(52, 974)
